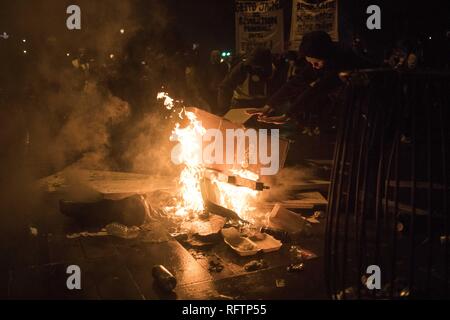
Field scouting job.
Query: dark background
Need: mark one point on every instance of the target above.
(211, 23)
(40, 91)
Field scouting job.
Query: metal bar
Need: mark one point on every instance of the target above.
(357, 197)
(430, 189)
(341, 173)
(395, 221)
(394, 158)
(383, 120)
(369, 169)
(329, 272)
(362, 248)
(412, 235)
(444, 148)
(353, 141)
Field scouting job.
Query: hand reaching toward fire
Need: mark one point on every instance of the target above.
(260, 111)
(264, 115)
(283, 119)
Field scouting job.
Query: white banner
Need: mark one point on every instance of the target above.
(259, 23)
(313, 15)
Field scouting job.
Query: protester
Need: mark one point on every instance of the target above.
(247, 85)
(407, 55)
(312, 88)
(216, 71)
(195, 83)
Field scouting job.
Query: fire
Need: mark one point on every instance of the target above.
(239, 199)
(168, 101)
(189, 154)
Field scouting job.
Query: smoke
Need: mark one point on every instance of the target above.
(150, 149)
(282, 184)
(61, 107)
(76, 113)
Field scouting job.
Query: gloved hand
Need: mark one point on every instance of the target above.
(274, 120)
(265, 111)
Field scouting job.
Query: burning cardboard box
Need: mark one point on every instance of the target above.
(241, 148)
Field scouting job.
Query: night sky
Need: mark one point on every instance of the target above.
(210, 20)
(179, 24)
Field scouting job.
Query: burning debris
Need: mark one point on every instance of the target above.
(250, 243)
(201, 187)
(207, 201)
(203, 204)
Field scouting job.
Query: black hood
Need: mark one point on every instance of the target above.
(260, 59)
(317, 44)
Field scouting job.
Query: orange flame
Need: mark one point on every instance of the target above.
(189, 154)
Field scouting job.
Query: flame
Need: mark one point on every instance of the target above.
(168, 101)
(238, 199)
(190, 155)
(241, 200)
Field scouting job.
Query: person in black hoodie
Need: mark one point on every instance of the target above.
(315, 83)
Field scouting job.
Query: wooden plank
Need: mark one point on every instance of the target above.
(303, 201)
(243, 182)
(288, 205)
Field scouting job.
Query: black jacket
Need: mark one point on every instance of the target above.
(309, 87)
(239, 89)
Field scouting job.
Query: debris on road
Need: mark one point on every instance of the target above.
(256, 265)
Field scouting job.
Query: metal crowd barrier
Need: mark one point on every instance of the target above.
(388, 204)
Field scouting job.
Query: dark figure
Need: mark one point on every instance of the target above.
(406, 55)
(195, 83)
(286, 66)
(216, 72)
(358, 46)
(316, 83)
(247, 85)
